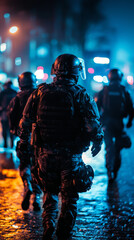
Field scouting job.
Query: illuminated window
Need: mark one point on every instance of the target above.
(101, 60)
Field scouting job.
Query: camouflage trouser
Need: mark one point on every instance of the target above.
(26, 164)
(114, 144)
(55, 173)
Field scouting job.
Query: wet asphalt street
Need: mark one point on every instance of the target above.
(105, 212)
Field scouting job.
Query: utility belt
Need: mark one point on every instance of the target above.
(47, 150)
(76, 146)
(52, 148)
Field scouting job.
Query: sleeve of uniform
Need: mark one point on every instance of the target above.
(11, 104)
(92, 119)
(12, 109)
(99, 99)
(129, 106)
(29, 114)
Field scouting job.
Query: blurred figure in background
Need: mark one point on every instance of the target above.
(5, 97)
(27, 84)
(115, 104)
(66, 119)
(1, 87)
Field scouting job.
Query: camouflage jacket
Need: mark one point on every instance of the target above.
(87, 109)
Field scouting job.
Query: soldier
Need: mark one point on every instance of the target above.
(5, 97)
(27, 84)
(66, 120)
(115, 104)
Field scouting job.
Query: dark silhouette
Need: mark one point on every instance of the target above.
(5, 97)
(115, 104)
(66, 120)
(27, 84)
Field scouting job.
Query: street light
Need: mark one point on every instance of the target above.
(13, 29)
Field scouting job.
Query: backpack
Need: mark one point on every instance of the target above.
(114, 101)
(55, 115)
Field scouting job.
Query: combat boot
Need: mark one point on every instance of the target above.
(27, 193)
(48, 231)
(36, 202)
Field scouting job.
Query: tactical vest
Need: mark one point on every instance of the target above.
(114, 101)
(55, 115)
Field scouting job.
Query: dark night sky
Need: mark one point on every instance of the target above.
(119, 13)
(23, 4)
(38, 7)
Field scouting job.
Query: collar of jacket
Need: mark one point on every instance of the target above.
(64, 81)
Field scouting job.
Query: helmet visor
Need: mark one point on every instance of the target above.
(83, 69)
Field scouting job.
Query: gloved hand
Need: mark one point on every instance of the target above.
(129, 124)
(95, 149)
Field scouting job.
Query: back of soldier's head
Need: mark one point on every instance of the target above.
(27, 80)
(8, 84)
(67, 65)
(115, 75)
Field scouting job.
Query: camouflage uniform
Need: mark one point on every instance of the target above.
(25, 154)
(57, 160)
(26, 158)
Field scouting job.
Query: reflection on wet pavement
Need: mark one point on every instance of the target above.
(105, 212)
(14, 222)
(8, 159)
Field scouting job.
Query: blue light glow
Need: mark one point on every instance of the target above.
(18, 61)
(42, 51)
(7, 15)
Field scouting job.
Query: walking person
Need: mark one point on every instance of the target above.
(66, 121)
(115, 104)
(5, 97)
(27, 84)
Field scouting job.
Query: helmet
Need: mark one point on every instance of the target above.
(115, 74)
(67, 64)
(8, 83)
(27, 80)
